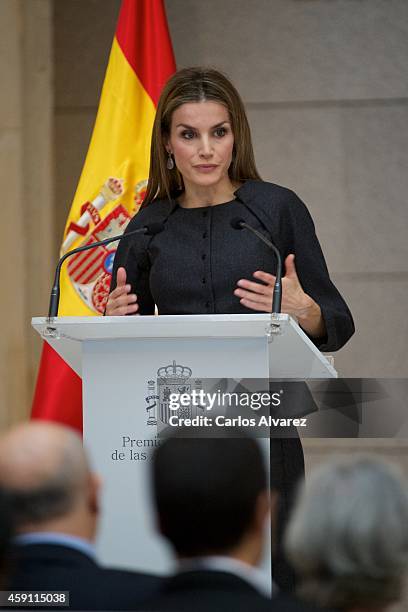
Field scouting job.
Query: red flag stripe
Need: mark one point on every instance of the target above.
(58, 394)
(150, 52)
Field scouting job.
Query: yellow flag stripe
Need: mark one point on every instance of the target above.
(119, 147)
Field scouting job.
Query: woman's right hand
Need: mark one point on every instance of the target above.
(120, 301)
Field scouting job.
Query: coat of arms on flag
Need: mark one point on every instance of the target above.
(90, 272)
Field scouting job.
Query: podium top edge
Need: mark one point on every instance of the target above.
(163, 326)
(156, 319)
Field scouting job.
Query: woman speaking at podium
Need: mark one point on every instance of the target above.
(202, 176)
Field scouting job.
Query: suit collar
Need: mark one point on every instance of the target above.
(211, 579)
(226, 564)
(52, 553)
(55, 538)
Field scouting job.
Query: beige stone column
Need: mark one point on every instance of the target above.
(26, 180)
(38, 161)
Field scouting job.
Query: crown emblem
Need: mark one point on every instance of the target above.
(174, 374)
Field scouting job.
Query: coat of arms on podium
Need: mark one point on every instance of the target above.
(171, 379)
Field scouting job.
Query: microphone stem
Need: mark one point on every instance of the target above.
(277, 290)
(55, 291)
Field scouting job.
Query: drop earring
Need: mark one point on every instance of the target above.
(170, 162)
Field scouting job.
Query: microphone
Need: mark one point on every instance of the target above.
(240, 224)
(150, 230)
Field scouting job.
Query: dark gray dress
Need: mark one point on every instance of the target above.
(193, 266)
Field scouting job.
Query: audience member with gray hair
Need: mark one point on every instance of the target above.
(348, 536)
(54, 497)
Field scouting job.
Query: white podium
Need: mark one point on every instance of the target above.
(128, 366)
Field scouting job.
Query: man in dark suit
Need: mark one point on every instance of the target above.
(54, 496)
(6, 526)
(213, 502)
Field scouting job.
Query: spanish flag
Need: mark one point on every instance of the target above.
(111, 186)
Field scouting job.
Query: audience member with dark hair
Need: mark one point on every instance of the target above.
(213, 504)
(55, 503)
(348, 537)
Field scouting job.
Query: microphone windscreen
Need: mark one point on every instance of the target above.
(236, 223)
(154, 228)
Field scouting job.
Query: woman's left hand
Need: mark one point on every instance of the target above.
(258, 296)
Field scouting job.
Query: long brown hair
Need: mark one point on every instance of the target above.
(197, 85)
